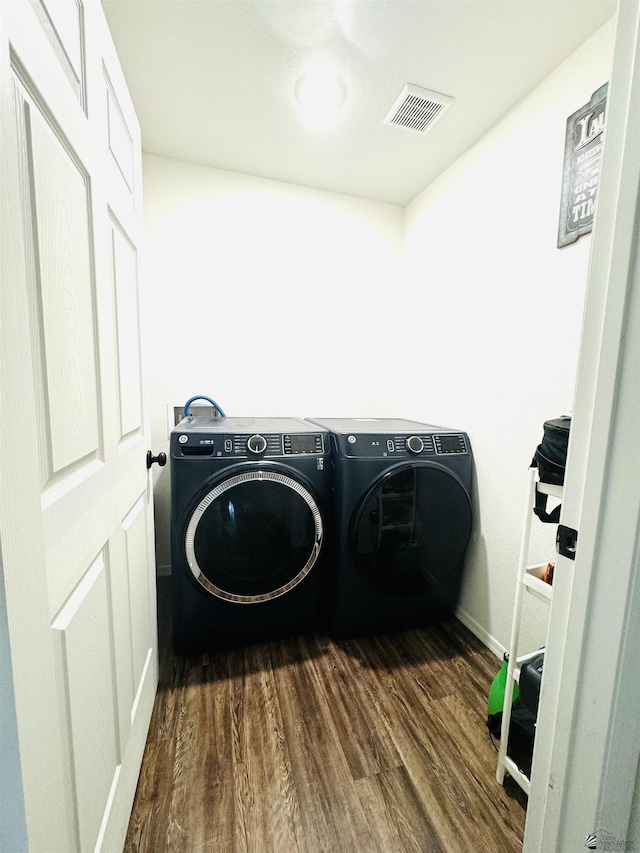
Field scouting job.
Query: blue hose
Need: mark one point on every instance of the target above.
(202, 397)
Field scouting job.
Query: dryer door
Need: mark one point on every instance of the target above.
(411, 529)
(254, 536)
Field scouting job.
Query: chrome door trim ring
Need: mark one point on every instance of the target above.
(214, 494)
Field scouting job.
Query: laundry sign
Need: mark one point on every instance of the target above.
(581, 172)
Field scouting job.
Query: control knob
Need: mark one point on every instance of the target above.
(415, 444)
(257, 444)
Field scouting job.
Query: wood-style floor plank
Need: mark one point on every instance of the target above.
(306, 745)
(396, 810)
(331, 814)
(364, 740)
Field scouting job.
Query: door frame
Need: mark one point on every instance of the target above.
(584, 778)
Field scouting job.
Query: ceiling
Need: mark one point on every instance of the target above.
(214, 81)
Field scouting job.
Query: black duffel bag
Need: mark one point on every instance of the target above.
(550, 458)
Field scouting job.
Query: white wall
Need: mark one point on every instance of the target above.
(280, 300)
(271, 298)
(498, 311)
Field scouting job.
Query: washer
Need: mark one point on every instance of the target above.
(249, 502)
(402, 522)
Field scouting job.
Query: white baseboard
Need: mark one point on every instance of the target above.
(485, 638)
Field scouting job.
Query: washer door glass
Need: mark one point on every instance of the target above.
(254, 537)
(411, 529)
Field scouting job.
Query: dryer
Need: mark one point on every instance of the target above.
(402, 522)
(250, 498)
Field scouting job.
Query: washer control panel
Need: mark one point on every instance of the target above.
(251, 446)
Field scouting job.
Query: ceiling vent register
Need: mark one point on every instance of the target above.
(417, 109)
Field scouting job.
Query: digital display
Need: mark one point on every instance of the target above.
(450, 444)
(303, 443)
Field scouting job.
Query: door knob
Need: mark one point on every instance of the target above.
(161, 459)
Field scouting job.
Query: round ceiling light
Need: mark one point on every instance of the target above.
(320, 94)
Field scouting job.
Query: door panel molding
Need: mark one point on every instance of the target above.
(85, 666)
(61, 228)
(125, 285)
(120, 139)
(62, 23)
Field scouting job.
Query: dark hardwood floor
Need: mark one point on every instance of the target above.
(375, 745)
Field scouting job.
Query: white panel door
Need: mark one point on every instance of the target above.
(75, 493)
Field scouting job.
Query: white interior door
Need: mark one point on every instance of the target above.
(75, 493)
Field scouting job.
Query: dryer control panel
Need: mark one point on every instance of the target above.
(375, 446)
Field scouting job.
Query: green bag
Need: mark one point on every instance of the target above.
(496, 698)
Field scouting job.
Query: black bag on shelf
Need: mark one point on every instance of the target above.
(550, 458)
(522, 729)
(522, 733)
(531, 681)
